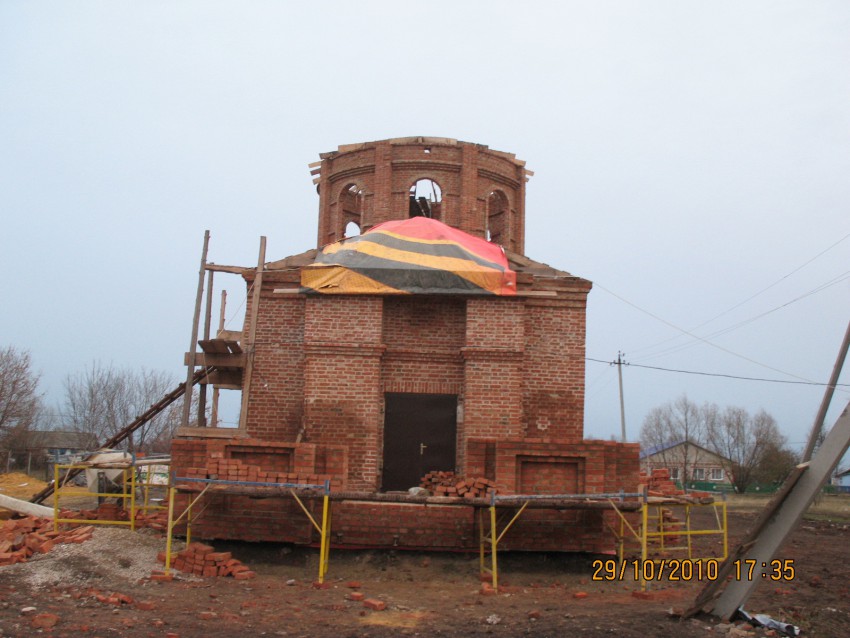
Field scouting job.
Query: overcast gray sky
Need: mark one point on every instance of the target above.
(687, 156)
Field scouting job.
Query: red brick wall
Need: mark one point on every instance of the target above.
(553, 369)
(342, 374)
(492, 405)
(385, 171)
(594, 466)
(276, 401)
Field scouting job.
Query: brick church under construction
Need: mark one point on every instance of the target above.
(416, 338)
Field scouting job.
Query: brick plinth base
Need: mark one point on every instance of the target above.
(516, 466)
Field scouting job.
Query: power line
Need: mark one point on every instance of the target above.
(835, 280)
(705, 341)
(719, 374)
(753, 296)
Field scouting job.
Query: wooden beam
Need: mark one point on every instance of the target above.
(210, 433)
(187, 397)
(228, 335)
(214, 411)
(220, 360)
(235, 270)
(228, 379)
(250, 333)
(202, 391)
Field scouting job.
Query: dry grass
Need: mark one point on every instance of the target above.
(835, 507)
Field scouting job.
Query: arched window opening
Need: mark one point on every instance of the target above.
(351, 206)
(352, 229)
(426, 199)
(498, 212)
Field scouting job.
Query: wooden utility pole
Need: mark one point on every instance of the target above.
(187, 397)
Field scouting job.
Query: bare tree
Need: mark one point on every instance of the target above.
(751, 446)
(103, 400)
(20, 402)
(776, 463)
(680, 422)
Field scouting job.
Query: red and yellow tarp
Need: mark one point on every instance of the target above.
(412, 256)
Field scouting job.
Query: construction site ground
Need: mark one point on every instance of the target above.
(101, 588)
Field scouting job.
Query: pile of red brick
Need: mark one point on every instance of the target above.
(104, 512)
(447, 484)
(236, 470)
(155, 519)
(659, 484)
(23, 537)
(203, 560)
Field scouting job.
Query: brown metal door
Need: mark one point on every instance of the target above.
(420, 433)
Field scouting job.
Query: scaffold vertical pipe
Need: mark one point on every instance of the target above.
(621, 543)
(688, 528)
(643, 540)
(189, 521)
(56, 497)
(171, 492)
(132, 471)
(725, 532)
(494, 540)
(323, 543)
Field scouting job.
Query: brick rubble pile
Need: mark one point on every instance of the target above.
(447, 484)
(203, 560)
(21, 538)
(659, 483)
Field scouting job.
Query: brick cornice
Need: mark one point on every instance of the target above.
(411, 354)
(491, 354)
(348, 349)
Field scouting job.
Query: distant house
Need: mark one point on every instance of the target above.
(687, 462)
(60, 445)
(41, 449)
(841, 482)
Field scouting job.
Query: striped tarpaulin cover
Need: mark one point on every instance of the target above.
(411, 256)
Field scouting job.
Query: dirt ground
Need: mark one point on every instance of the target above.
(426, 594)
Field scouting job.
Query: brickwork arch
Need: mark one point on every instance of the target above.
(351, 208)
(466, 173)
(425, 198)
(497, 217)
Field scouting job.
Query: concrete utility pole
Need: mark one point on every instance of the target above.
(827, 396)
(620, 362)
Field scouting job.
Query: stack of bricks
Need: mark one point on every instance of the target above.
(23, 537)
(447, 484)
(203, 560)
(659, 483)
(236, 470)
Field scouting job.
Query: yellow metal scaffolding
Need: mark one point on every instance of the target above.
(217, 486)
(130, 485)
(654, 530)
(490, 537)
(128, 494)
